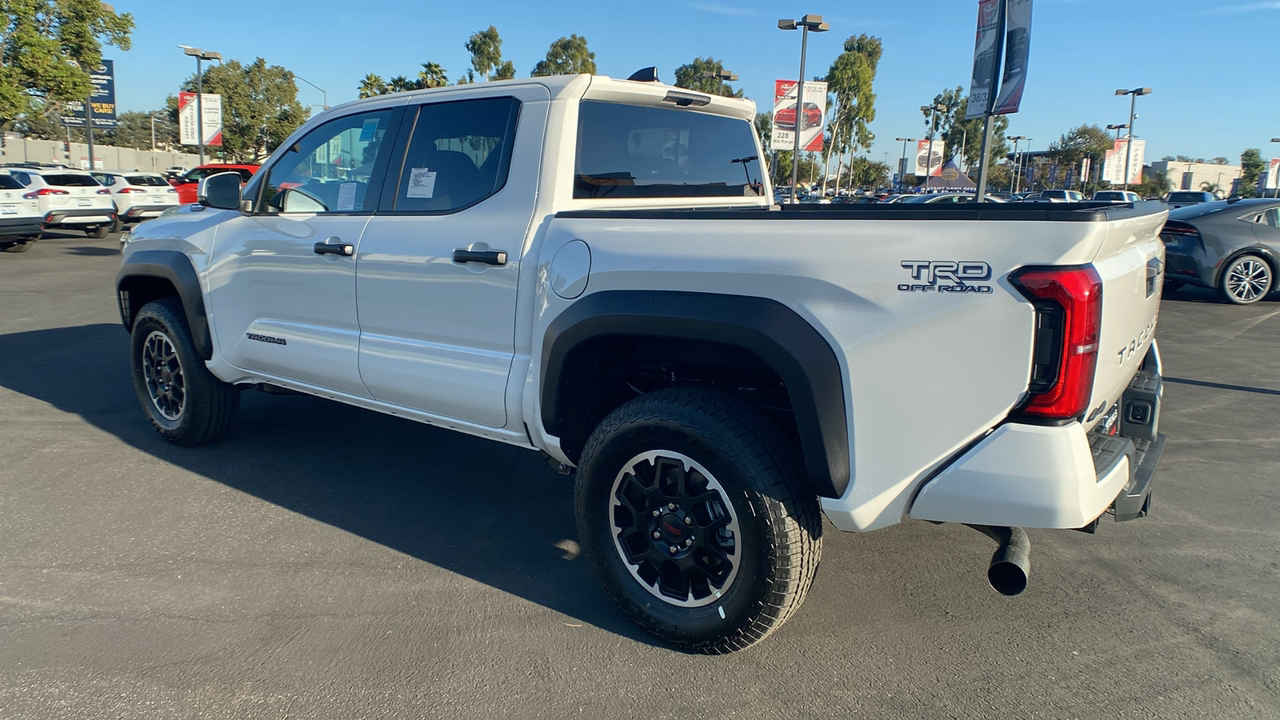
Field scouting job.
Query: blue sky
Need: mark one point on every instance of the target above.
(1203, 58)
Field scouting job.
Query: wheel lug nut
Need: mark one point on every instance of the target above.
(656, 534)
(671, 506)
(688, 520)
(688, 542)
(673, 549)
(656, 513)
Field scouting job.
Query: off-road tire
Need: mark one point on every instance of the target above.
(193, 407)
(779, 529)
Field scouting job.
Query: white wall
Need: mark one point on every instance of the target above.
(1221, 175)
(21, 149)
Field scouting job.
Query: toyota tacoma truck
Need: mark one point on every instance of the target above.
(594, 269)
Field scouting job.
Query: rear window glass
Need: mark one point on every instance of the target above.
(8, 183)
(146, 180)
(70, 180)
(630, 151)
(1186, 197)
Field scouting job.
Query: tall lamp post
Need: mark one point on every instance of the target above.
(200, 55)
(806, 23)
(902, 167)
(933, 114)
(1276, 188)
(324, 94)
(1133, 100)
(1014, 179)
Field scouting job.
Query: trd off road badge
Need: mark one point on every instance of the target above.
(947, 276)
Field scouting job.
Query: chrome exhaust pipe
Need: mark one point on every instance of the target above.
(1011, 563)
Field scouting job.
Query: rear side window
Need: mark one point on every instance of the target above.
(631, 151)
(7, 182)
(459, 154)
(21, 177)
(70, 180)
(146, 180)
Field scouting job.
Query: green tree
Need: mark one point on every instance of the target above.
(1220, 160)
(1250, 171)
(850, 79)
(1084, 141)
(764, 128)
(45, 46)
(1156, 184)
(372, 85)
(432, 75)
(400, 83)
(486, 56)
(260, 107)
(1184, 158)
(133, 130)
(43, 121)
(567, 56)
(703, 75)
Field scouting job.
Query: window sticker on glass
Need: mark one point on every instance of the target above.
(346, 196)
(369, 129)
(422, 183)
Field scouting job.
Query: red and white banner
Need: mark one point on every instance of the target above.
(211, 111)
(929, 160)
(809, 121)
(1017, 53)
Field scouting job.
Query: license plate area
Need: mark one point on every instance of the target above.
(83, 202)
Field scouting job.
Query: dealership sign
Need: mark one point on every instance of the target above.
(188, 118)
(102, 100)
(788, 120)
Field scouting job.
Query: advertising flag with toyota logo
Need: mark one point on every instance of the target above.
(786, 118)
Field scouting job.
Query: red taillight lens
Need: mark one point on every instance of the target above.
(130, 190)
(47, 191)
(104, 191)
(1068, 326)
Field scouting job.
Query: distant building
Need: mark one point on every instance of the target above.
(1193, 175)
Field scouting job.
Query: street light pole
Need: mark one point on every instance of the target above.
(1275, 189)
(933, 113)
(324, 94)
(1013, 180)
(902, 167)
(199, 55)
(806, 23)
(1133, 101)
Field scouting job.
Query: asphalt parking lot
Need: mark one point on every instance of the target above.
(328, 562)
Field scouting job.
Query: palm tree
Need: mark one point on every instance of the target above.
(372, 85)
(1210, 188)
(400, 83)
(431, 76)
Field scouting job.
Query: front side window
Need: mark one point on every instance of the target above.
(632, 151)
(458, 155)
(328, 170)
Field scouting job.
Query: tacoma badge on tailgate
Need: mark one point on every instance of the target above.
(946, 276)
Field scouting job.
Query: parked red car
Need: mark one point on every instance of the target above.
(187, 183)
(812, 116)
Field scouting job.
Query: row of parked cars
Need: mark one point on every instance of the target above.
(35, 197)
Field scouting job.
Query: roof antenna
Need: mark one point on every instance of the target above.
(649, 74)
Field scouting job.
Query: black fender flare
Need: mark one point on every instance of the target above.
(176, 268)
(775, 333)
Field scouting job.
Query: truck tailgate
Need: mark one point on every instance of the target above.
(1130, 262)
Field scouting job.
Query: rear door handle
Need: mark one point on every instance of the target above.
(324, 248)
(489, 257)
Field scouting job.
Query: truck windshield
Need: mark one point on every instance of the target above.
(632, 151)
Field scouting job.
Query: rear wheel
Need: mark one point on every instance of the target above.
(1246, 280)
(185, 403)
(117, 225)
(97, 232)
(697, 519)
(16, 246)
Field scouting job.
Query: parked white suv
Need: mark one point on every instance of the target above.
(137, 195)
(1124, 196)
(69, 199)
(20, 218)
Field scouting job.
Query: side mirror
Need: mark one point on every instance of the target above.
(220, 191)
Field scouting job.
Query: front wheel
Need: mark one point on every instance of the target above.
(1246, 280)
(185, 403)
(697, 519)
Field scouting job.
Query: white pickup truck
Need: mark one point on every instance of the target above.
(594, 269)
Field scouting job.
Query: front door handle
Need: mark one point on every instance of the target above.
(488, 257)
(334, 249)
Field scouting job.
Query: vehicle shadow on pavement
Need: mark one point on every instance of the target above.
(91, 251)
(493, 513)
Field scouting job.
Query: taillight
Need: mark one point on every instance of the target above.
(1068, 304)
(104, 191)
(1175, 230)
(130, 190)
(173, 190)
(45, 191)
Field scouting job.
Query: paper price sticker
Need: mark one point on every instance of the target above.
(422, 183)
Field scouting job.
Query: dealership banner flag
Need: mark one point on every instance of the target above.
(212, 112)
(986, 59)
(1017, 51)
(788, 119)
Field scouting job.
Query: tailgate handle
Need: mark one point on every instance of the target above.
(488, 257)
